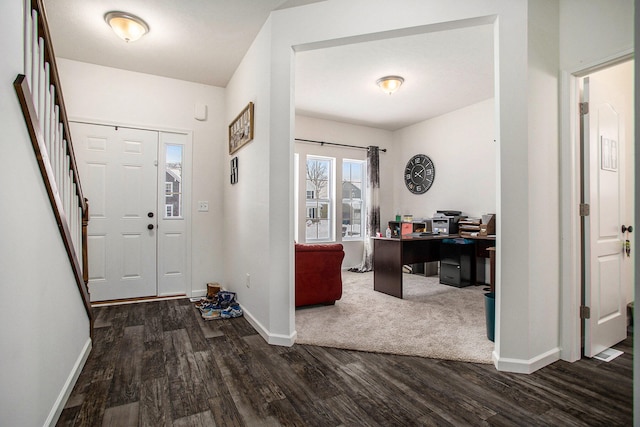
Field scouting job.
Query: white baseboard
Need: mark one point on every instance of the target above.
(273, 339)
(521, 366)
(54, 415)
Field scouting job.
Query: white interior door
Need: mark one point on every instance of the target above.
(604, 192)
(118, 173)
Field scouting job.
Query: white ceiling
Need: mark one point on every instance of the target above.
(203, 41)
(443, 71)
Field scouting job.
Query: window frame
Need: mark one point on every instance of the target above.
(316, 202)
(362, 199)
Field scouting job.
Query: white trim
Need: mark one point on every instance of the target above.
(272, 339)
(570, 294)
(64, 394)
(521, 366)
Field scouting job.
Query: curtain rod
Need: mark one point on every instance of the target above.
(336, 144)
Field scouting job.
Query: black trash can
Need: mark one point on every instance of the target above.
(490, 314)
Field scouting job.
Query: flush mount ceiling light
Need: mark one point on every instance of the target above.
(390, 84)
(127, 26)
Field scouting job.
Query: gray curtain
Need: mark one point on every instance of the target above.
(372, 225)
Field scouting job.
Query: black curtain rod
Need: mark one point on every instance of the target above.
(339, 145)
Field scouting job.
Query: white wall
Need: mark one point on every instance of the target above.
(595, 30)
(103, 94)
(463, 148)
(331, 23)
(543, 193)
(343, 133)
(45, 329)
(258, 245)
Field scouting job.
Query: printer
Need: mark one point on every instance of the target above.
(446, 222)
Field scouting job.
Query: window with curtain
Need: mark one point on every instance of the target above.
(352, 199)
(319, 199)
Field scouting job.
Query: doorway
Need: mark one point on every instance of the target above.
(606, 129)
(137, 182)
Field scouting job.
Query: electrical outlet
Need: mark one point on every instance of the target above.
(248, 281)
(203, 206)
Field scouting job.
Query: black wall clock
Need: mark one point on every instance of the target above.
(419, 174)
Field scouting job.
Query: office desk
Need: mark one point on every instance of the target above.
(390, 254)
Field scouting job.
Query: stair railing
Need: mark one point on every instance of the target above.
(40, 96)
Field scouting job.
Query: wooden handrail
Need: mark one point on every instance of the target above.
(37, 140)
(69, 188)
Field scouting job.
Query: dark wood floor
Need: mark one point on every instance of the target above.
(159, 364)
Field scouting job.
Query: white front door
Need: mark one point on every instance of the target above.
(118, 173)
(604, 181)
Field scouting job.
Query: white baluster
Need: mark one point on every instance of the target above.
(52, 123)
(33, 49)
(55, 144)
(27, 41)
(66, 185)
(59, 152)
(74, 217)
(80, 254)
(46, 122)
(60, 155)
(41, 85)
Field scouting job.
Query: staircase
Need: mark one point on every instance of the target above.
(38, 90)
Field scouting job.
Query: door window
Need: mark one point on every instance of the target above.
(173, 181)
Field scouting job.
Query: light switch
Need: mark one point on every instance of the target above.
(203, 206)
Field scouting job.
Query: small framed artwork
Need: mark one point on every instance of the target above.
(241, 129)
(234, 170)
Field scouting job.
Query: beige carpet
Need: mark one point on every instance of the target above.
(432, 320)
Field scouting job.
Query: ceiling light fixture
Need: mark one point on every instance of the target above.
(390, 84)
(127, 26)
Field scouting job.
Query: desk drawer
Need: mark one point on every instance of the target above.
(450, 274)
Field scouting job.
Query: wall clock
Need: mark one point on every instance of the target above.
(419, 174)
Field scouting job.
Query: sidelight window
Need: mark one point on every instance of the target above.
(173, 181)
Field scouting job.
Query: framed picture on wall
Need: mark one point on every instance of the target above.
(234, 170)
(241, 129)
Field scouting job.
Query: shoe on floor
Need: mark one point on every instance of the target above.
(232, 311)
(211, 314)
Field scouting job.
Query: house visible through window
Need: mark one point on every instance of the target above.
(319, 202)
(352, 199)
(173, 181)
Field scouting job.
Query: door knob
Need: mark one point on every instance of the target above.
(629, 228)
(150, 214)
(150, 226)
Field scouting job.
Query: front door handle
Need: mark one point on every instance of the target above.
(150, 226)
(629, 229)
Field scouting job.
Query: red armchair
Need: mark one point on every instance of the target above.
(318, 273)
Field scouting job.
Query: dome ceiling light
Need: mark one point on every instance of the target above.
(127, 26)
(390, 84)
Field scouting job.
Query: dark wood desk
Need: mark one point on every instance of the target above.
(390, 254)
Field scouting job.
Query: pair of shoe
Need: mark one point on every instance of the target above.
(211, 314)
(210, 305)
(232, 311)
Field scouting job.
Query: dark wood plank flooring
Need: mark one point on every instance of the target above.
(159, 364)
